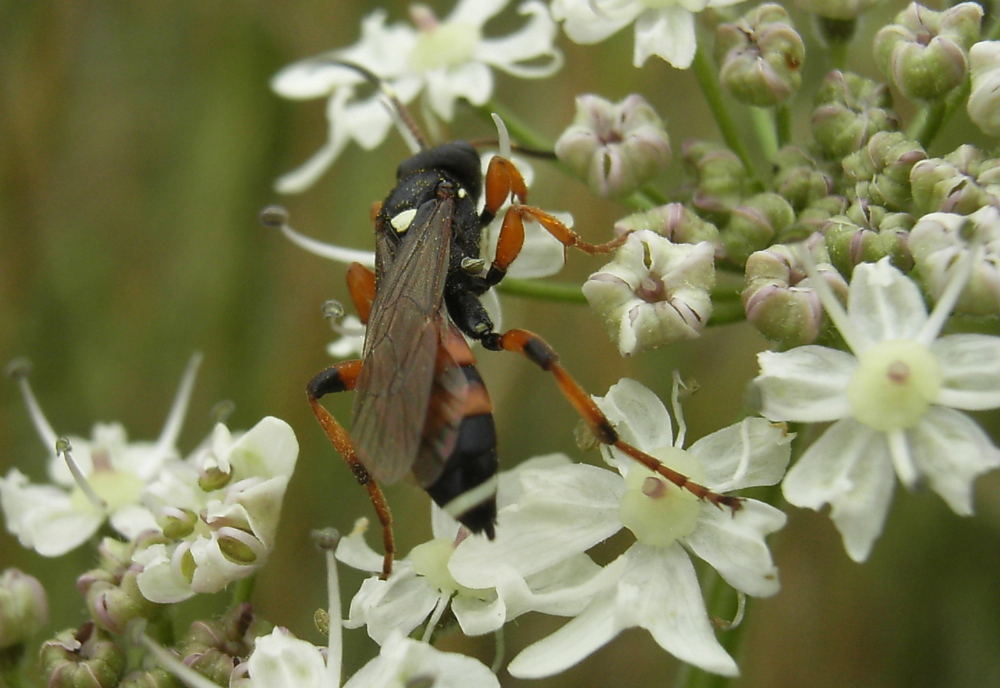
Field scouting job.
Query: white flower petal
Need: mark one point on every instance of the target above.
(638, 415)
(355, 552)
(43, 517)
(400, 603)
(532, 41)
(951, 450)
(477, 616)
(279, 660)
(157, 581)
(583, 25)
(304, 176)
(132, 519)
(402, 660)
(212, 570)
(472, 81)
(596, 626)
(849, 468)
(721, 453)
(733, 543)
(807, 384)
(561, 590)
(573, 509)
(660, 588)
(668, 32)
(884, 304)
(970, 364)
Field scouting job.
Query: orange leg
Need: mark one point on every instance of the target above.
(541, 354)
(341, 378)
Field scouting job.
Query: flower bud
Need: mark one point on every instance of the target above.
(779, 297)
(925, 53)
(113, 604)
(984, 100)
(214, 648)
(836, 9)
(961, 182)
(867, 233)
(798, 179)
(152, 678)
(654, 292)
(24, 608)
(761, 55)
(754, 224)
(721, 179)
(86, 658)
(615, 147)
(938, 240)
(881, 170)
(673, 221)
(813, 218)
(849, 111)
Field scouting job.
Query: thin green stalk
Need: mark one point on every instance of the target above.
(242, 590)
(708, 80)
(783, 124)
(766, 127)
(928, 123)
(545, 290)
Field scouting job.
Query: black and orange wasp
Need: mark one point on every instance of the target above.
(420, 406)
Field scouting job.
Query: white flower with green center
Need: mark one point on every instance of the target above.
(893, 400)
(565, 510)
(111, 473)
(447, 59)
(662, 27)
(218, 511)
(421, 585)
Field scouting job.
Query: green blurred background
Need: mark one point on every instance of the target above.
(138, 142)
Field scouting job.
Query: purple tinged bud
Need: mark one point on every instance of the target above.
(215, 648)
(880, 171)
(836, 9)
(849, 111)
(615, 147)
(754, 224)
(674, 221)
(761, 56)
(151, 678)
(86, 658)
(961, 182)
(798, 178)
(867, 233)
(722, 181)
(925, 53)
(984, 100)
(780, 299)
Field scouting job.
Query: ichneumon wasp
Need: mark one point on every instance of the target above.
(420, 406)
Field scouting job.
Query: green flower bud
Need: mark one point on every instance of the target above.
(754, 224)
(722, 180)
(113, 604)
(938, 240)
(961, 182)
(984, 100)
(86, 658)
(214, 648)
(24, 608)
(849, 111)
(881, 170)
(867, 233)
(761, 56)
(780, 299)
(615, 147)
(153, 678)
(798, 178)
(836, 9)
(674, 221)
(812, 219)
(925, 53)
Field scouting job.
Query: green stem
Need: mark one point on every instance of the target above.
(928, 123)
(242, 590)
(547, 291)
(708, 80)
(765, 126)
(783, 124)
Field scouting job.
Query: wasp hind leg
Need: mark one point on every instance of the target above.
(536, 350)
(341, 378)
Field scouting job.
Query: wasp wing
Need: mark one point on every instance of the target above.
(394, 386)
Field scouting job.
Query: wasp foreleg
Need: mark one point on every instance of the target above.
(536, 350)
(341, 378)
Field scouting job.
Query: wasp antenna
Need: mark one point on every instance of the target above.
(405, 123)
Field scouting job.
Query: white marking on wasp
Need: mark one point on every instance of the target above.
(401, 222)
(470, 499)
(462, 193)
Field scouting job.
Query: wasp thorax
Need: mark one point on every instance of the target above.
(895, 383)
(653, 508)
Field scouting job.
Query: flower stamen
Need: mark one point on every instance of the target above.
(63, 447)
